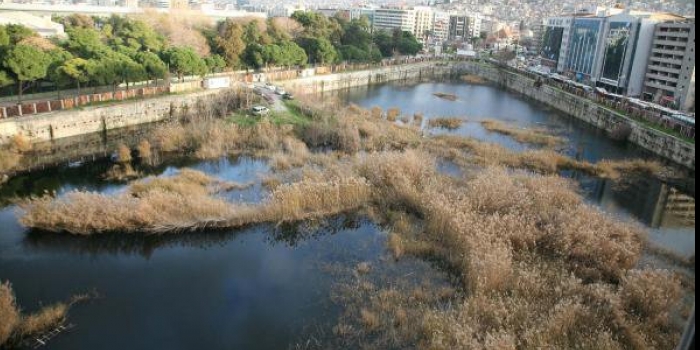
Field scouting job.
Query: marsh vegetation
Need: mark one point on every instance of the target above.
(531, 265)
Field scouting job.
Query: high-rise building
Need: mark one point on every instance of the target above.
(627, 47)
(425, 19)
(555, 44)
(584, 47)
(388, 19)
(670, 76)
(441, 26)
(459, 28)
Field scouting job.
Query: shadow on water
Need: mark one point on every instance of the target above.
(289, 235)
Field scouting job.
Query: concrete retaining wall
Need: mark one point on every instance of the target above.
(335, 82)
(659, 143)
(62, 124)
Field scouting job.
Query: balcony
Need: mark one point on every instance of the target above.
(673, 34)
(662, 78)
(668, 52)
(659, 86)
(657, 67)
(667, 60)
(679, 44)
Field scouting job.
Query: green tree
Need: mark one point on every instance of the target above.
(4, 36)
(105, 71)
(78, 20)
(131, 72)
(230, 42)
(27, 64)
(408, 44)
(57, 58)
(154, 67)
(5, 78)
(184, 61)
(385, 43)
(254, 55)
(76, 70)
(215, 63)
(132, 34)
(319, 50)
(18, 32)
(85, 43)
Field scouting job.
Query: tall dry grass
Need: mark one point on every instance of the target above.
(446, 123)
(123, 154)
(16, 326)
(9, 313)
(393, 114)
(9, 160)
(540, 267)
(145, 150)
(186, 203)
(531, 136)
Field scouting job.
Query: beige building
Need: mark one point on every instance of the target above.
(670, 76)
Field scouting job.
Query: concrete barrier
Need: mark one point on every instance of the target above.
(664, 145)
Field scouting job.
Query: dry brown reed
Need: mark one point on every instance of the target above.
(377, 113)
(9, 160)
(185, 203)
(418, 119)
(540, 266)
(531, 136)
(541, 161)
(536, 266)
(145, 150)
(15, 326)
(123, 154)
(21, 143)
(121, 172)
(393, 114)
(446, 123)
(9, 313)
(43, 321)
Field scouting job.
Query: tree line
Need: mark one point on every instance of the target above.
(124, 50)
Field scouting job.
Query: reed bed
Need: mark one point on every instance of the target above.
(533, 265)
(16, 326)
(540, 268)
(446, 123)
(393, 114)
(531, 136)
(186, 203)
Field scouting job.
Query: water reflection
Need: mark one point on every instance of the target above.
(290, 235)
(655, 203)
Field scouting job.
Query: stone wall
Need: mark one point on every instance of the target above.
(659, 143)
(62, 124)
(326, 83)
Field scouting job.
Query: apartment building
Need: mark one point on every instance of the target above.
(670, 76)
(388, 19)
(425, 19)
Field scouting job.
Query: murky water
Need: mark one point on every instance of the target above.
(263, 287)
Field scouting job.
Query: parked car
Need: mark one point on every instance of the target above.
(260, 111)
(281, 92)
(288, 97)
